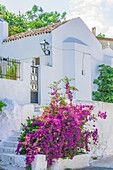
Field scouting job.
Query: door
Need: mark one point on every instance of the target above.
(34, 83)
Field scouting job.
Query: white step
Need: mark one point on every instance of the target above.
(3, 166)
(16, 133)
(106, 162)
(10, 144)
(7, 150)
(13, 138)
(18, 160)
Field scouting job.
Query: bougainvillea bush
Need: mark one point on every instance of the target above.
(60, 132)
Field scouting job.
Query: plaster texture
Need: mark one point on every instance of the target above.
(12, 116)
(17, 90)
(73, 50)
(40, 163)
(105, 128)
(79, 161)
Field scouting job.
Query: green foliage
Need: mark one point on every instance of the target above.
(62, 129)
(101, 35)
(11, 71)
(105, 84)
(2, 105)
(1, 74)
(32, 19)
(31, 126)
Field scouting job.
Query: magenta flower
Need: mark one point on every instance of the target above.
(60, 131)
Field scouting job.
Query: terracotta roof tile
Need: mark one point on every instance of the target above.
(104, 38)
(43, 30)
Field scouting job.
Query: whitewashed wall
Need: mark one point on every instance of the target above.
(13, 115)
(62, 54)
(83, 81)
(3, 30)
(26, 48)
(17, 90)
(105, 127)
(64, 62)
(47, 76)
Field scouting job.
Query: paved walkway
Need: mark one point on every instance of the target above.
(95, 168)
(101, 164)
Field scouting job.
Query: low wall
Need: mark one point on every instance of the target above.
(17, 90)
(13, 115)
(103, 149)
(105, 127)
(79, 161)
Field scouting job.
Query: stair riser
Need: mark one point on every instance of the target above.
(10, 144)
(7, 150)
(7, 159)
(14, 139)
(16, 134)
(13, 159)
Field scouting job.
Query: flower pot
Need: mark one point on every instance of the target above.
(39, 163)
(79, 161)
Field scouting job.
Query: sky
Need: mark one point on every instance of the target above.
(96, 13)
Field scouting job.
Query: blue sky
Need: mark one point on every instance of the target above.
(98, 13)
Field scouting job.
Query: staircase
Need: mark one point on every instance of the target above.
(8, 158)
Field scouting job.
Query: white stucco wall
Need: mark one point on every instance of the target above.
(67, 60)
(83, 81)
(47, 76)
(105, 128)
(76, 28)
(108, 56)
(13, 115)
(64, 59)
(17, 90)
(26, 48)
(3, 31)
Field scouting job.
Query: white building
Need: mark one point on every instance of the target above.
(74, 52)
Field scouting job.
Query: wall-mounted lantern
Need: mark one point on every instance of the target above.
(44, 45)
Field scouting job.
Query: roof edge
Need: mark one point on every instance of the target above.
(43, 30)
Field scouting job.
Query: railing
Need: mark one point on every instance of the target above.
(9, 68)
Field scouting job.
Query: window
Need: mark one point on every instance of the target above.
(37, 61)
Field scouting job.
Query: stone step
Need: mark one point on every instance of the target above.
(10, 144)
(94, 168)
(7, 150)
(4, 166)
(13, 138)
(106, 162)
(17, 160)
(16, 134)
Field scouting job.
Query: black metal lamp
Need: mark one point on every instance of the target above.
(44, 45)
